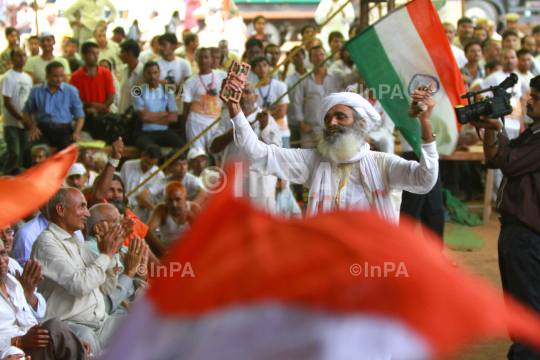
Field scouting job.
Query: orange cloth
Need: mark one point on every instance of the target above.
(23, 194)
(246, 257)
(141, 229)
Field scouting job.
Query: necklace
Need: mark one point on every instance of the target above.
(210, 90)
(266, 103)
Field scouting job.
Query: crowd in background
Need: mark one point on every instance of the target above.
(98, 84)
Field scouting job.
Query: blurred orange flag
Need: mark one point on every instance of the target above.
(344, 285)
(23, 194)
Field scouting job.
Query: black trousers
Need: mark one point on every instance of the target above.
(60, 138)
(429, 208)
(519, 263)
(166, 138)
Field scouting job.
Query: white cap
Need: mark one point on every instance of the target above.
(46, 33)
(77, 169)
(195, 152)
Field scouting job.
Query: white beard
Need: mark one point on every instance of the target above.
(344, 147)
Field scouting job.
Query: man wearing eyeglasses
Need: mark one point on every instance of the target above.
(86, 157)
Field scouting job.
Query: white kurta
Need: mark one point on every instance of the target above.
(260, 189)
(300, 165)
(74, 279)
(15, 319)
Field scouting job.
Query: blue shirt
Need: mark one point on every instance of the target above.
(27, 235)
(154, 101)
(59, 108)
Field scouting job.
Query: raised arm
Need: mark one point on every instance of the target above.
(418, 178)
(288, 164)
(103, 181)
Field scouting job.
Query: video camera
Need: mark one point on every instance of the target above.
(493, 107)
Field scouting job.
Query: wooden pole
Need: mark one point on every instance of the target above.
(304, 42)
(36, 12)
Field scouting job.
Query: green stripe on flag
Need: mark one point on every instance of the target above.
(369, 56)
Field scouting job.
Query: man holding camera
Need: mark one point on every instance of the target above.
(519, 205)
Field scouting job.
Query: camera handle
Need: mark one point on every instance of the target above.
(480, 137)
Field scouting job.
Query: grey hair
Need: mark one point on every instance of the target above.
(41, 147)
(99, 28)
(96, 216)
(61, 197)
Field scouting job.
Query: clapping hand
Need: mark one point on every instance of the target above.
(134, 255)
(30, 277)
(110, 242)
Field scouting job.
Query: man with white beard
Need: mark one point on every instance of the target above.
(342, 173)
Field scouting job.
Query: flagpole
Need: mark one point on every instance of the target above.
(186, 147)
(35, 11)
(304, 42)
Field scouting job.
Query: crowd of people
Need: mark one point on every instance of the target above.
(73, 264)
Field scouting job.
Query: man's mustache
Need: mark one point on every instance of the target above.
(529, 107)
(340, 129)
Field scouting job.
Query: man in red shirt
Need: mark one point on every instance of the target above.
(95, 84)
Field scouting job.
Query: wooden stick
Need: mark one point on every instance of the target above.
(304, 42)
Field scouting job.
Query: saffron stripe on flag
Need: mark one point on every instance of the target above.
(430, 32)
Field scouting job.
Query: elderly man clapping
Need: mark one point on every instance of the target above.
(75, 279)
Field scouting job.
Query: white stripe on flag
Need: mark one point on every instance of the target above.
(264, 332)
(407, 51)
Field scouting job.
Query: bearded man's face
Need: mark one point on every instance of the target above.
(344, 134)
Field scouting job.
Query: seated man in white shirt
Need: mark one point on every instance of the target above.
(129, 280)
(75, 280)
(31, 278)
(51, 340)
(136, 171)
(154, 195)
(27, 235)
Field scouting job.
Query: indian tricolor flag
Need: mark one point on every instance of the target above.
(339, 286)
(406, 49)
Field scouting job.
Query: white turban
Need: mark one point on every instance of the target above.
(353, 100)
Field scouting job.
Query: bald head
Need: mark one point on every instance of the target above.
(100, 214)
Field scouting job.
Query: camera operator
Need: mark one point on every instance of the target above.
(519, 205)
(514, 127)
